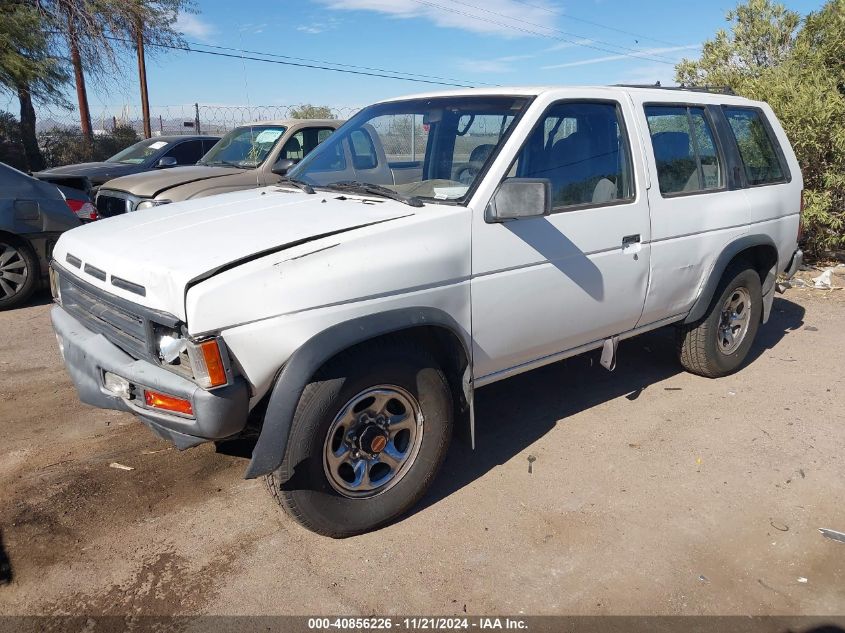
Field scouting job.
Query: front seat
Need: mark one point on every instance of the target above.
(293, 150)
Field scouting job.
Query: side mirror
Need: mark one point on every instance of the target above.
(520, 198)
(282, 166)
(167, 161)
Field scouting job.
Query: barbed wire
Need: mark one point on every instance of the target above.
(182, 119)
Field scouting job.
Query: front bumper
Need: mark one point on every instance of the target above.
(217, 414)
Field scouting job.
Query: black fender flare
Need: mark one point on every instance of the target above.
(310, 356)
(699, 308)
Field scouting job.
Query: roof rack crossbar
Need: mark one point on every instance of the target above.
(724, 90)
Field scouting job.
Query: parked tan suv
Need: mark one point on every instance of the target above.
(253, 155)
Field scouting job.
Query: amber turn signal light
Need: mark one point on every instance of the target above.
(163, 401)
(213, 362)
(207, 363)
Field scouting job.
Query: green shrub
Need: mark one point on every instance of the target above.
(62, 146)
(798, 67)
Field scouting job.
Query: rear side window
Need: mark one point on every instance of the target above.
(684, 148)
(762, 165)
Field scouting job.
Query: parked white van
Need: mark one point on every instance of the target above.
(433, 244)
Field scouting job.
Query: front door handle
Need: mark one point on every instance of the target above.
(629, 240)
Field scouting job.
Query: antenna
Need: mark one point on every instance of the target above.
(246, 90)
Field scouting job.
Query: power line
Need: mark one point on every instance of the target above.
(524, 30)
(384, 74)
(598, 24)
(321, 61)
(583, 41)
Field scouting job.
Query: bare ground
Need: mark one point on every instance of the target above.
(653, 492)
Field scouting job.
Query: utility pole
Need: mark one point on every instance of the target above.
(79, 76)
(142, 76)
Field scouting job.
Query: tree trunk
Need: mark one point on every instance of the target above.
(81, 92)
(142, 76)
(34, 159)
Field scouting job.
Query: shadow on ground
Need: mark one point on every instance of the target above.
(5, 564)
(515, 413)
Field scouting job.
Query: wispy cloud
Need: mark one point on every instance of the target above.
(194, 27)
(511, 21)
(561, 46)
(612, 58)
(647, 74)
(322, 25)
(494, 66)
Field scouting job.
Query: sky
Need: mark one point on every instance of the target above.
(472, 42)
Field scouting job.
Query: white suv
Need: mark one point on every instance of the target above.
(432, 245)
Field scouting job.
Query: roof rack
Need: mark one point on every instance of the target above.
(724, 90)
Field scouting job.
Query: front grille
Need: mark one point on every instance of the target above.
(126, 324)
(108, 206)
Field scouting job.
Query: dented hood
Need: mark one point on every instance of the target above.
(165, 249)
(151, 184)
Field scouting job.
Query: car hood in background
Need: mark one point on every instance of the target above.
(97, 173)
(165, 249)
(150, 184)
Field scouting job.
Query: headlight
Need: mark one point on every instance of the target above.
(148, 204)
(170, 346)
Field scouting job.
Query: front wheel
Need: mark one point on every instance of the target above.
(718, 344)
(367, 439)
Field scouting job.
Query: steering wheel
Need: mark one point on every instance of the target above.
(467, 175)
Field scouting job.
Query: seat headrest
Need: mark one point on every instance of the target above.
(480, 153)
(573, 149)
(293, 146)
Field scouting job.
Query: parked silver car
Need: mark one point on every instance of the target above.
(249, 156)
(32, 216)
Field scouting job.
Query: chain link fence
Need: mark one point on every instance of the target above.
(60, 135)
(196, 118)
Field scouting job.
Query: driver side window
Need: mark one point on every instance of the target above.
(294, 147)
(582, 148)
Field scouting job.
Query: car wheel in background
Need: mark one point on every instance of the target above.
(19, 272)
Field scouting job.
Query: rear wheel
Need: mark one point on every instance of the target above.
(367, 439)
(718, 344)
(19, 272)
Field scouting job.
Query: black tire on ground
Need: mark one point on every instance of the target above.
(699, 347)
(301, 485)
(19, 272)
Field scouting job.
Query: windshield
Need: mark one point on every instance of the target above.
(244, 147)
(138, 153)
(432, 149)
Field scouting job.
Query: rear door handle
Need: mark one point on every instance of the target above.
(628, 240)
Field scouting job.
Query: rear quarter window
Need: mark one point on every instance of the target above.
(756, 147)
(685, 150)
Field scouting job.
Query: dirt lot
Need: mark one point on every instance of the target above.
(653, 491)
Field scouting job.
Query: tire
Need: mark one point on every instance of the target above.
(704, 347)
(19, 272)
(314, 489)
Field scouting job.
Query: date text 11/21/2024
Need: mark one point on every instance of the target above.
(417, 623)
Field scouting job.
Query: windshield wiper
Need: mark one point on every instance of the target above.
(357, 186)
(215, 163)
(300, 184)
